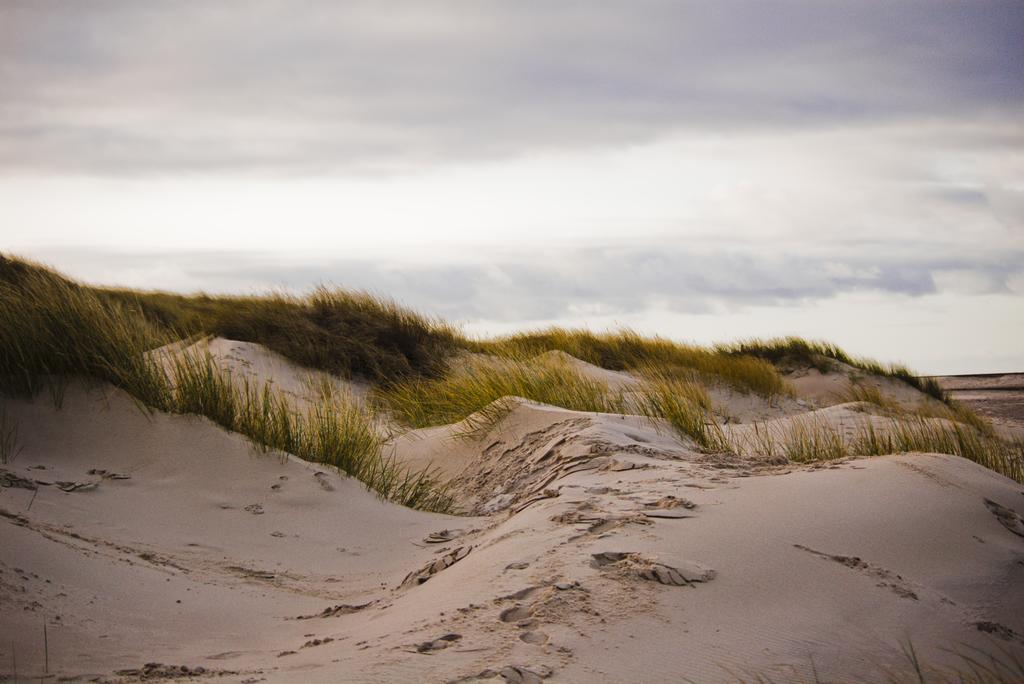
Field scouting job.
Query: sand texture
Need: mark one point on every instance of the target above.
(592, 548)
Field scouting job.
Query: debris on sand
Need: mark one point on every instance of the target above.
(335, 611)
(681, 574)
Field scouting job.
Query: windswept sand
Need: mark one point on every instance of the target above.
(595, 548)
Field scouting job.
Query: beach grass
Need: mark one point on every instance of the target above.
(803, 439)
(339, 331)
(678, 399)
(870, 394)
(798, 352)
(426, 373)
(809, 440)
(928, 407)
(53, 331)
(627, 350)
(477, 392)
(918, 433)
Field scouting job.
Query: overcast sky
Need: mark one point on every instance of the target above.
(706, 171)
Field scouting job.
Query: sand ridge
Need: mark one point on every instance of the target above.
(591, 542)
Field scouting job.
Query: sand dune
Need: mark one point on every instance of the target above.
(256, 364)
(593, 545)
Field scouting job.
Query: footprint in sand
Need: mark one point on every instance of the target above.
(520, 675)
(255, 509)
(324, 480)
(515, 614)
(438, 644)
(996, 629)
(1008, 517)
(534, 637)
(889, 580)
(312, 643)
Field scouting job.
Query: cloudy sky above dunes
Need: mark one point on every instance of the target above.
(705, 171)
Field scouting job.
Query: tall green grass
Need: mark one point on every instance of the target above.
(341, 332)
(335, 431)
(477, 394)
(957, 412)
(859, 392)
(783, 351)
(951, 410)
(945, 437)
(627, 350)
(810, 440)
(477, 391)
(356, 334)
(796, 440)
(53, 330)
(683, 404)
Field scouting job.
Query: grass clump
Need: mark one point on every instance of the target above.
(682, 403)
(806, 440)
(796, 440)
(336, 431)
(809, 440)
(627, 350)
(796, 351)
(478, 389)
(957, 412)
(53, 330)
(950, 410)
(860, 392)
(8, 438)
(945, 437)
(341, 332)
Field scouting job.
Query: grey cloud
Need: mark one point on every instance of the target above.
(121, 87)
(599, 281)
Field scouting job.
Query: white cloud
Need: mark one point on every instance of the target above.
(833, 169)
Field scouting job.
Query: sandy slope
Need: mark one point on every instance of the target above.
(256, 364)
(600, 550)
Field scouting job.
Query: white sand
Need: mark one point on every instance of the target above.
(257, 365)
(106, 567)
